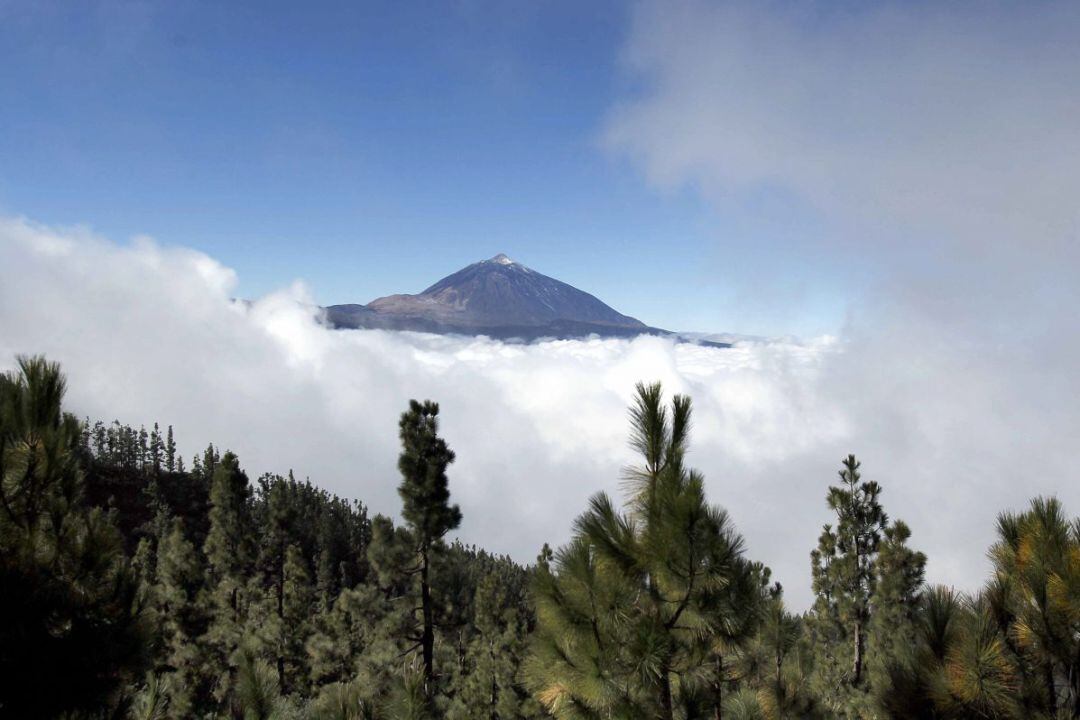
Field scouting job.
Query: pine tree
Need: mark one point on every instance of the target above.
(735, 607)
(156, 449)
(628, 614)
(339, 636)
(427, 511)
(843, 575)
(228, 542)
(1037, 600)
(182, 619)
(100, 440)
(543, 560)
(153, 701)
(256, 695)
(342, 701)
(327, 568)
(777, 664)
(170, 452)
(228, 557)
(298, 603)
(487, 686)
(866, 580)
(899, 572)
(143, 449)
(67, 595)
(371, 630)
(959, 665)
(280, 514)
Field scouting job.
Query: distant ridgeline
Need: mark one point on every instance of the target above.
(132, 586)
(501, 299)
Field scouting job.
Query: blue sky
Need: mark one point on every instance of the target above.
(370, 148)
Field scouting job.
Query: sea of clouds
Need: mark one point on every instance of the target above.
(150, 333)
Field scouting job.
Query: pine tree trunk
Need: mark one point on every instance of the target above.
(1074, 681)
(281, 619)
(428, 638)
(494, 680)
(857, 664)
(718, 713)
(667, 709)
(1051, 687)
(779, 668)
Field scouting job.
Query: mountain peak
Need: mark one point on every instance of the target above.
(499, 298)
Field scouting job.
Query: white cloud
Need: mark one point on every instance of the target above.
(150, 333)
(938, 147)
(953, 122)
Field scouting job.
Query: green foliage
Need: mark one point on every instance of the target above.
(843, 576)
(229, 564)
(424, 488)
(494, 643)
(867, 582)
(152, 701)
(777, 663)
(410, 698)
(636, 613)
(182, 620)
(958, 665)
(257, 695)
(68, 597)
(342, 701)
(748, 704)
(297, 605)
(899, 573)
(425, 493)
(147, 591)
(1035, 600)
(228, 545)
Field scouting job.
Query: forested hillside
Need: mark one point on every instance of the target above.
(135, 584)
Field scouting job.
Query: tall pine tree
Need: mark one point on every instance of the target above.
(68, 599)
(182, 620)
(630, 613)
(427, 510)
(228, 557)
(866, 581)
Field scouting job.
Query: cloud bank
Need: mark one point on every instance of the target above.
(935, 151)
(149, 333)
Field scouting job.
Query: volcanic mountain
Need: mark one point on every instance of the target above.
(499, 298)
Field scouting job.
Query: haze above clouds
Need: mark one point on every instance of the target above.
(938, 147)
(936, 152)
